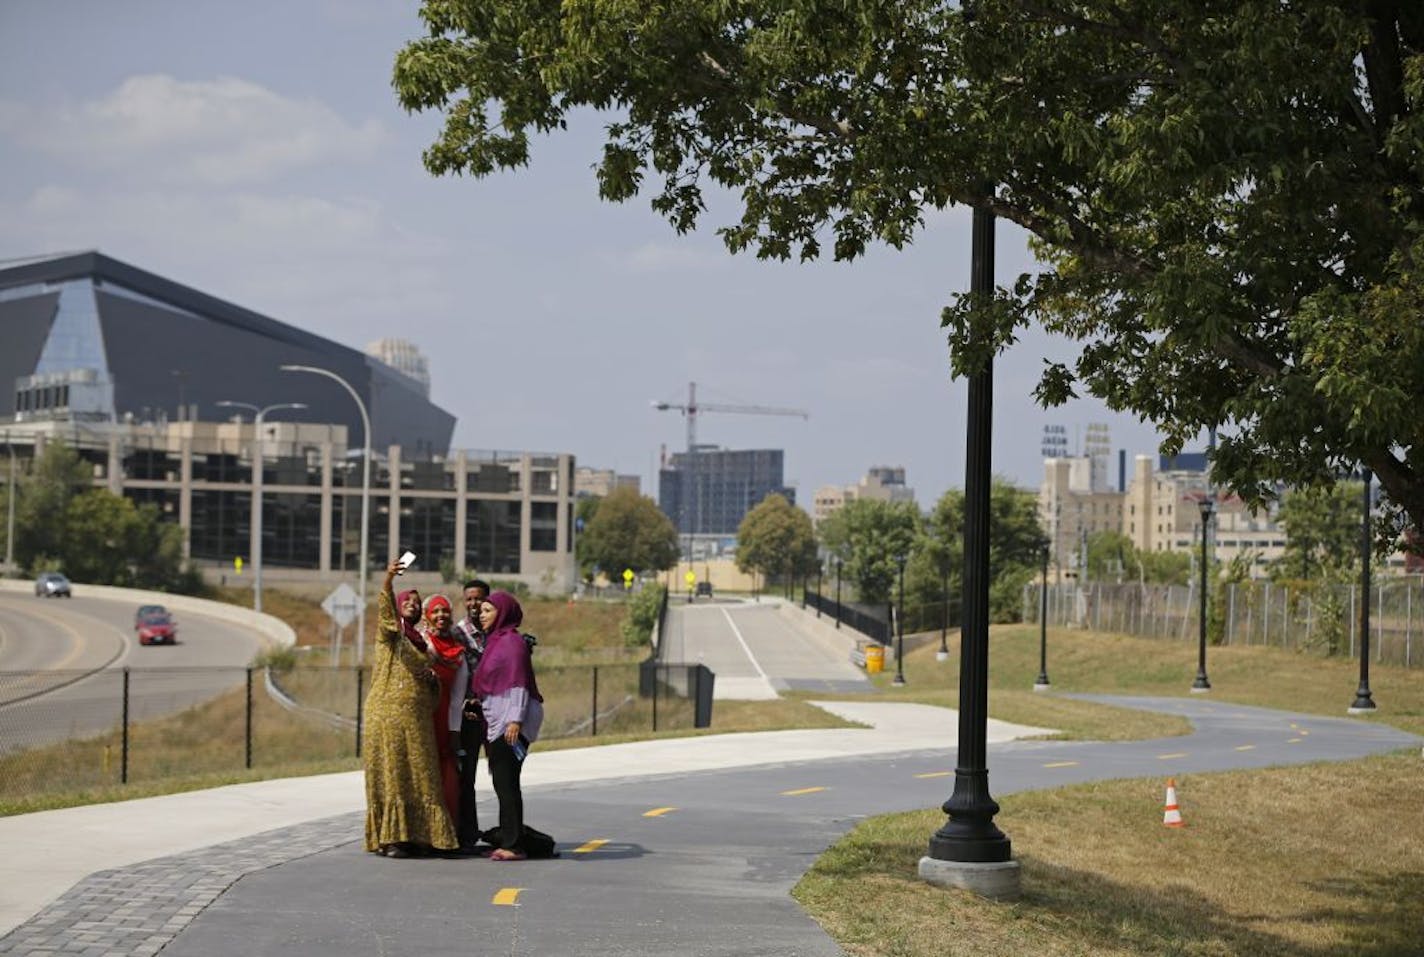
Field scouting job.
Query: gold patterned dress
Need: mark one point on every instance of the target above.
(403, 797)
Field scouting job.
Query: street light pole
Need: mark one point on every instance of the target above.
(900, 628)
(254, 545)
(838, 591)
(1364, 701)
(943, 653)
(365, 502)
(1201, 684)
(10, 520)
(1041, 683)
(970, 851)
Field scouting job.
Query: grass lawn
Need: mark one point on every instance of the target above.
(1316, 860)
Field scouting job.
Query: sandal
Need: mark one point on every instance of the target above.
(505, 854)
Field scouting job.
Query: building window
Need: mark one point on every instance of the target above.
(543, 526)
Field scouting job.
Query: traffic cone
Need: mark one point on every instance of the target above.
(1172, 815)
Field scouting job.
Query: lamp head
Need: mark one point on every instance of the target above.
(1207, 506)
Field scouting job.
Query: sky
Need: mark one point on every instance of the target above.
(255, 151)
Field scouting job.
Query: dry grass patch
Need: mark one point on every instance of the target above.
(1259, 870)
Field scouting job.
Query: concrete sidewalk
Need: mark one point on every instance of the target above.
(50, 851)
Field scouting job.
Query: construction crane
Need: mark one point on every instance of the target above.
(692, 409)
(691, 502)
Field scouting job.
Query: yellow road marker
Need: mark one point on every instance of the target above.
(591, 846)
(801, 791)
(1175, 754)
(1293, 741)
(507, 897)
(935, 774)
(1061, 764)
(1246, 747)
(658, 811)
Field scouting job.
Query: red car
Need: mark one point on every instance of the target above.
(155, 626)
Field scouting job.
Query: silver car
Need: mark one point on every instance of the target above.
(52, 585)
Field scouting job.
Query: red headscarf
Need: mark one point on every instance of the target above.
(447, 646)
(506, 663)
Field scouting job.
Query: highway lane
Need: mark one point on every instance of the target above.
(62, 664)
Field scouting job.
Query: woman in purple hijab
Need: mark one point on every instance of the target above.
(513, 709)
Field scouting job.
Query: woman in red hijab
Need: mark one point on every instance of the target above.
(447, 654)
(514, 711)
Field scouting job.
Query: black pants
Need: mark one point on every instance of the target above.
(472, 738)
(504, 770)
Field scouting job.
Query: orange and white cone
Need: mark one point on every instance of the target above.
(1172, 815)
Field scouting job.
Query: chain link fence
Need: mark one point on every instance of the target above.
(1319, 618)
(67, 731)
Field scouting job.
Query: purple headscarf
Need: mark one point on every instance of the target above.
(506, 663)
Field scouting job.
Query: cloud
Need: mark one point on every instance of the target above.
(219, 132)
(343, 268)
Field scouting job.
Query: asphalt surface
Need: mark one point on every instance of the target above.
(62, 663)
(686, 846)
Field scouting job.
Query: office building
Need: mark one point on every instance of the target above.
(710, 491)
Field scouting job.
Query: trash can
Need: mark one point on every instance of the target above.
(874, 659)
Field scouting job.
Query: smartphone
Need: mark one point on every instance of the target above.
(406, 560)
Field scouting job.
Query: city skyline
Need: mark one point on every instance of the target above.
(209, 145)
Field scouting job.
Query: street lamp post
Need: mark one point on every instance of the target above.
(1041, 683)
(970, 851)
(254, 547)
(1201, 684)
(10, 519)
(838, 591)
(943, 653)
(365, 502)
(1364, 702)
(820, 570)
(900, 627)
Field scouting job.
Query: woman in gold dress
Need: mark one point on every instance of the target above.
(405, 814)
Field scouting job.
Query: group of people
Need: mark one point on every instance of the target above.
(440, 691)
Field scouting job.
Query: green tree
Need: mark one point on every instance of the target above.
(110, 540)
(56, 478)
(629, 531)
(1322, 532)
(868, 536)
(777, 540)
(1014, 537)
(1228, 197)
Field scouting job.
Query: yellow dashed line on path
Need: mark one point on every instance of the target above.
(1246, 747)
(658, 811)
(1061, 764)
(1294, 741)
(801, 791)
(1175, 754)
(591, 846)
(935, 774)
(507, 897)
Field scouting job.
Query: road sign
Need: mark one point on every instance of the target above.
(341, 605)
(690, 578)
(237, 564)
(627, 578)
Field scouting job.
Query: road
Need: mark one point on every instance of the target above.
(62, 665)
(757, 649)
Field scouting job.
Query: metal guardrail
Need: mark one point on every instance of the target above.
(873, 627)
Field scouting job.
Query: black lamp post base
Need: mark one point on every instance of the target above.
(1041, 683)
(898, 681)
(1201, 685)
(941, 655)
(1363, 703)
